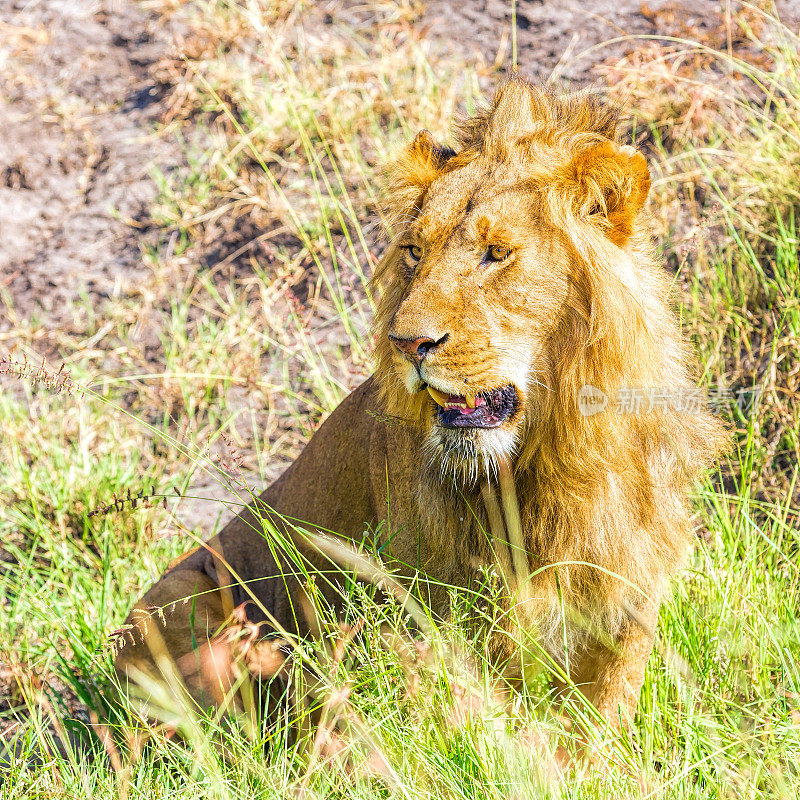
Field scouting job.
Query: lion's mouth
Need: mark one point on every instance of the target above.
(484, 410)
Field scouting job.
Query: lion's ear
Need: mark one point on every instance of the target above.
(415, 169)
(613, 182)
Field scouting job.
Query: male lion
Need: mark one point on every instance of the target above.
(518, 295)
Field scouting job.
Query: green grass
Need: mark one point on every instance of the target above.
(718, 713)
(252, 350)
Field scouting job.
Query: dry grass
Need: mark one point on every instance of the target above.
(718, 109)
(253, 324)
(279, 203)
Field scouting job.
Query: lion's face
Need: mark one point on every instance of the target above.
(510, 279)
(484, 279)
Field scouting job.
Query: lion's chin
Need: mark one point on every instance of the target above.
(467, 455)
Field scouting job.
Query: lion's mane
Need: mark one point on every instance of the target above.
(603, 494)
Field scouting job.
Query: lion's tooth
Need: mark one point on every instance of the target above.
(470, 398)
(440, 398)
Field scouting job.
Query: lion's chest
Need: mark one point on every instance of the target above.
(470, 573)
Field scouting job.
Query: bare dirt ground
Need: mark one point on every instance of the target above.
(77, 109)
(78, 106)
(551, 34)
(564, 39)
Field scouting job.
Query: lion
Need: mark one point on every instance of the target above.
(527, 364)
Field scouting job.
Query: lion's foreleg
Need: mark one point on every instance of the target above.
(172, 637)
(610, 675)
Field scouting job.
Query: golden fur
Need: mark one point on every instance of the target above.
(598, 501)
(606, 490)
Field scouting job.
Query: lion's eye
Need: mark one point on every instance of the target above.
(415, 252)
(497, 253)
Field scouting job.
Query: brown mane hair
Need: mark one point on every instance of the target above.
(587, 485)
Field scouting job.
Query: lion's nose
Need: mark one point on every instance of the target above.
(417, 349)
